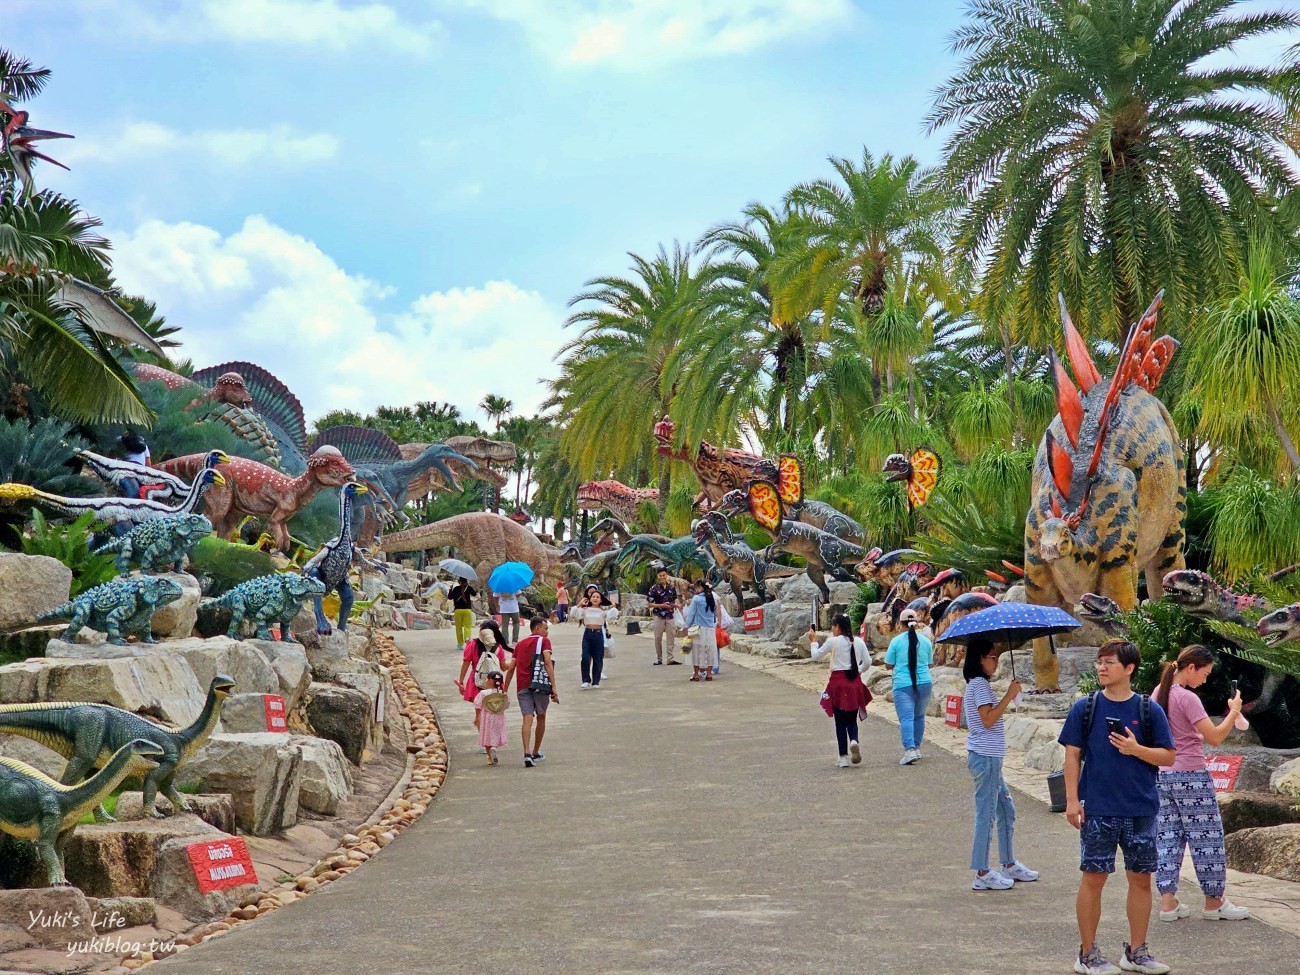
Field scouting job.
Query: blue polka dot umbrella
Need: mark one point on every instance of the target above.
(1010, 623)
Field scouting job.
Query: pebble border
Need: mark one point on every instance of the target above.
(426, 773)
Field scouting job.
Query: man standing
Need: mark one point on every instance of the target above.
(1114, 741)
(462, 604)
(508, 605)
(561, 602)
(661, 599)
(533, 703)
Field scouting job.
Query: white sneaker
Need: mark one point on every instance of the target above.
(586, 684)
(1092, 963)
(1018, 871)
(1227, 911)
(991, 881)
(909, 757)
(844, 761)
(1180, 910)
(856, 752)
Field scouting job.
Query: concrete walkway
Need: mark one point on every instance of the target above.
(698, 828)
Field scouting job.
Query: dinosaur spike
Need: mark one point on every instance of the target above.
(1067, 399)
(1017, 569)
(1056, 507)
(1060, 464)
(1102, 430)
(1077, 350)
(1155, 362)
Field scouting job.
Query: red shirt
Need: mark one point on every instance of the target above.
(525, 650)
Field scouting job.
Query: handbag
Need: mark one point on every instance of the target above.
(722, 636)
(539, 681)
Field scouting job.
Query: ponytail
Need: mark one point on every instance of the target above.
(1193, 655)
(912, 643)
(708, 598)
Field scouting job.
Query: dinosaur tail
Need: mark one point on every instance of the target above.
(12, 492)
(59, 612)
(36, 722)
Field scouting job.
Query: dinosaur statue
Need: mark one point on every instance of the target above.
(1280, 626)
(489, 461)
(623, 502)
(822, 551)
(88, 735)
(1199, 595)
(1109, 491)
(603, 569)
(818, 514)
(920, 471)
(255, 489)
(738, 562)
(484, 540)
(35, 807)
(885, 569)
(274, 598)
(719, 470)
(676, 553)
(18, 137)
(160, 544)
(113, 511)
(1103, 612)
(123, 606)
(944, 614)
(609, 533)
(155, 484)
(330, 566)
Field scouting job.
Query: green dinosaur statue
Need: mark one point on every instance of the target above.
(274, 598)
(676, 554)
(35, 807)
(159, 545)
(87, 735)
(117, 607)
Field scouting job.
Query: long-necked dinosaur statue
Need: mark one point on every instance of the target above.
(484, 540)
(113, 511)
(35, 807)
(88, 735)
(117, 608)
(1109, 489)
(330, 566)
(155, 484)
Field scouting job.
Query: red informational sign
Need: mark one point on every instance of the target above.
(754, 618)
(219, 864)
(952, 710)
(276, 719)
(1224, 770)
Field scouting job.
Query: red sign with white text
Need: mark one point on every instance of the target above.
(952, 710)
(219, 864)
(276, 718)
(754, 618)
(1224, 770)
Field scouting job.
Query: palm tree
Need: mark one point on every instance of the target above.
(496, 407)
(1102, 158)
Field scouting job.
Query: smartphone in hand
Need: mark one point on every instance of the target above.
(1115, 726)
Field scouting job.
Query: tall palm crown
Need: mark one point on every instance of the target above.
(1102, 158)
(496, 407)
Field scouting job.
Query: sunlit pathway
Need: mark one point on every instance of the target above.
(678, 827)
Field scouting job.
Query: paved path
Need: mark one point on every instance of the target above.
(698, 828)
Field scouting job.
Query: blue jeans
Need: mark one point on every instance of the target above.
(992, 800)
(911, 706)
(593, 654)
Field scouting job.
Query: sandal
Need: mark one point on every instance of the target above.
(710, 677)
(696, 677)
(493, 760)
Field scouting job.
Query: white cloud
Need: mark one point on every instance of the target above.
(638, 33)
(275, 298)
(280, 146)
(331, 25)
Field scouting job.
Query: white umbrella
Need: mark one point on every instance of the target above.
(462, 570)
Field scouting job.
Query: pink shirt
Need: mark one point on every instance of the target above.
(1185, 710)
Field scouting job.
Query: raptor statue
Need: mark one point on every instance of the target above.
(675, 553)
(822, 551)
(484, 540)
(131, 511)
(621, 501)
(1109, 492)
(331, 565)
(789, 481)
(735, 560)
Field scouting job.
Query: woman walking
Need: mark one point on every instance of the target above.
(909, 657)
(703, 612)
(489, 640)
(561, 603)
(593, 615)
(986, 747)
(1189, 812)
(845, 690)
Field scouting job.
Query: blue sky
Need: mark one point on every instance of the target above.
(392, 200)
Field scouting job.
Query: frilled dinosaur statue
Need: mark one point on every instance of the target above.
(822, 551)
(621, 501)
(920, 471)
(484, 540)
(331, 565)
(1109, 490)
(255, 489)
(818, 514)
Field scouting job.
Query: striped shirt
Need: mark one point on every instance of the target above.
(980, 740)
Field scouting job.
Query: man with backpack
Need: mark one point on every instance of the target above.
(1114, 742)
(534, 685)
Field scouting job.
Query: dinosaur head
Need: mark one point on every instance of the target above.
(664, 430)
(702, 531)
(297, 584)
(216, 457)
(209, 477)
(732, 503)
(897, 468)
(866, 569)
(440, 454)
(329, 467)
(354, 488)
(1055, 541)
(230, 389)
(145, 756)
(1097, 609)
(1187, 587)
(193, 526)
(222, 686)
(159, 591)
(1280, 625)
(951, 583)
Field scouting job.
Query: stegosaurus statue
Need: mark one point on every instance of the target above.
(1109, 495)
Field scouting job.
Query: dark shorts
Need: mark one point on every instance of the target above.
(1135, 835)
(533, 702)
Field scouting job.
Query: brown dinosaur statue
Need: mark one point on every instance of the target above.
(254, 489)
(493, 458)
(485, 540)
(1109, 492)
(617, 498)
(719, 469)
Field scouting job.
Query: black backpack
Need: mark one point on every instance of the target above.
(1144, 718)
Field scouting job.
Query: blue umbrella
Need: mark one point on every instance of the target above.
(510, 577)
(1010, 623)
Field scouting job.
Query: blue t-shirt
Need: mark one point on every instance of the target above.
(896, 656)
(1115, 784)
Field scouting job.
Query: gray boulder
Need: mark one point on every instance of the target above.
(342, 714)
(30, 585)
(162, 685)
(1286, 779)
(245, 714)
(326, 775)
(63, 916)
(176, 620)
(262, 772)
(291, 666)
(1271, 850)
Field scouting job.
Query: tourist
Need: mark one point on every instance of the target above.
(561, 602)
(462, 605)
(593, 615)
(909, 657)
(1189, 811)
(1111, 797)
(845, 692)
(661, 600)
(489, 640)
(534, 685)
(508, 607)
(136, 450)
(986, 747)
(702, 612)
(488, 704)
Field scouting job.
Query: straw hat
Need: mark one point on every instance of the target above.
(496, 702)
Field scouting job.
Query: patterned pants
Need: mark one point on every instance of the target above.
(1189, 816)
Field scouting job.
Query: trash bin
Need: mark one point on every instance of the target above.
(1056, 791)
(633, 627)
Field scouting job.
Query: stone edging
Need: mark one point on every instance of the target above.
(426, 767)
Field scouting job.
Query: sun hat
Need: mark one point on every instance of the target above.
(495, 702)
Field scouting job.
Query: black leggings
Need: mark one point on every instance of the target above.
(593, 655)
(846, 728)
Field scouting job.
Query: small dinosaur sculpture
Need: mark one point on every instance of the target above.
(944, 614)
(602, 569)
(330, 566)
(160, 544)
(1199, 595)
(484, 540)
(274, 598)
(1102, 611)
(88, 735)
(156, 484)
(623, 502)
(131, 511)
(123, 606)
(738, 562)
(35, 807)
(676, 554)
(822, 551)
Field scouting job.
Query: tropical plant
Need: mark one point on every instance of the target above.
(496, 407)
(41, 454)
(221, 564)
(72, 545)
(1254, 523)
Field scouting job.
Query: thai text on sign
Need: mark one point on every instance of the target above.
(754, 618)
(952, 710)
(219, 864)
(1224, 770)
(276, 718)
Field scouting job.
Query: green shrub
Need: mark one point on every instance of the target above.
(71, 545)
